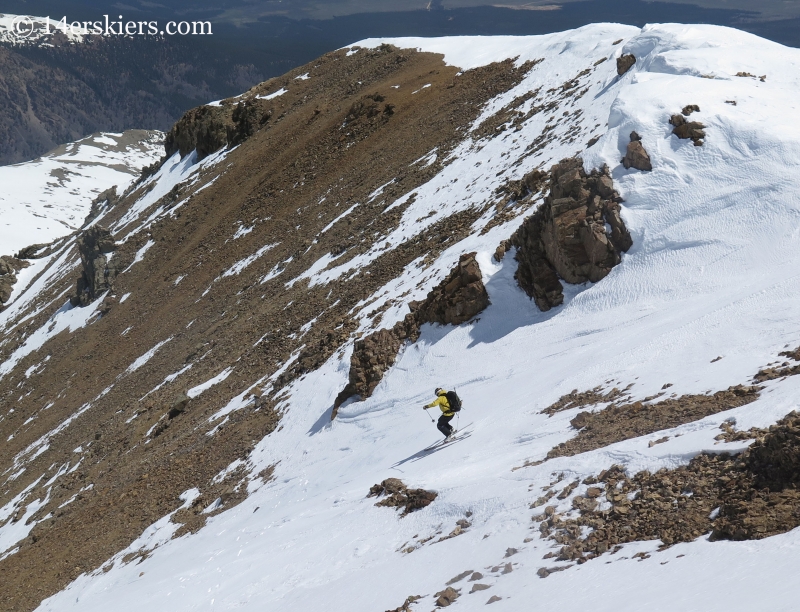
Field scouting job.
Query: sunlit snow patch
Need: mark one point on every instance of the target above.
(195, 391)
(280, 92)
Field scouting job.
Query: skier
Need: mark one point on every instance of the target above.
(443, 424)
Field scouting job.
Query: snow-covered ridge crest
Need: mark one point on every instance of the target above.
(25, 30)
(707, 295)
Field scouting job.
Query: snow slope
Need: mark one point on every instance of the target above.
(50, 197)
(713, 272)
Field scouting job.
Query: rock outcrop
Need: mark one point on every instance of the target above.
(209, 128)
(372, 356)
(457, 299)
(400, 496)
(107, 198)
(98, 274)
(625, 63)
(635, 155)
(566, 237)
(9, 266)
(204, 128)
(693, 130)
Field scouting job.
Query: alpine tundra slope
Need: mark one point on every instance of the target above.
(707, 296)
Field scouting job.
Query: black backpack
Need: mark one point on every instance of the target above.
(454, 401)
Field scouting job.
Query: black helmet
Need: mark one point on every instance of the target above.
(439, 390)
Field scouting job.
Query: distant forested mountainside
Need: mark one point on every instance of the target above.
(55, 94)
(50, 95)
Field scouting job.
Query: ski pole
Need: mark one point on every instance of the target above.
(429, 414)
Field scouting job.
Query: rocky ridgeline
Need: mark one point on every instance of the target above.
(98, 272)
(566, 237)
(9, 266)
(457, 299)
(398, 495)
(749, 496)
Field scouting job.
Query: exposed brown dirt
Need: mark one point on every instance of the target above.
(317, 143)
(745, 497)
(625, 421)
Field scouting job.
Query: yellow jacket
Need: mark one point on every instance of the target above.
(443, 404)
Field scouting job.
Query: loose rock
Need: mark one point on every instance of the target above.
(750, 496)
(446, 597)
(400, 496)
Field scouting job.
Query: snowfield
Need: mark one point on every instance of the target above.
(50, 197)
(713, 272)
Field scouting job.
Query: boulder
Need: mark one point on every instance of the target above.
(400, 496)
(178, 405)
(204, 129)
(625, 63)
(372, 356)
(775, 458)
(693, 130)
(635, 155)
(107, 198)
(247, 117)
(446, 597)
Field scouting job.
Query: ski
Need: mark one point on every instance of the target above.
(454, 437)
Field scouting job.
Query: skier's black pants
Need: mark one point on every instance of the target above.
(444, 426)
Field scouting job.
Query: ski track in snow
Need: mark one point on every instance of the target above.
(713, 272)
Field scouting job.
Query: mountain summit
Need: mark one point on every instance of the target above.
(212, 394)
